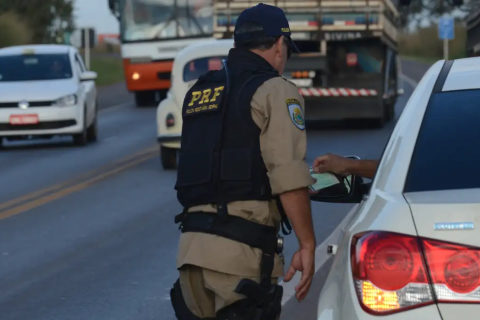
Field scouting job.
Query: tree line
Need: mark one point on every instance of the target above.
(428, 11)
(34, 21)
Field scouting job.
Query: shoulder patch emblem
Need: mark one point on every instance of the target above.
(296, 113)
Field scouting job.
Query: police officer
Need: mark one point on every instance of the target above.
(241, 176)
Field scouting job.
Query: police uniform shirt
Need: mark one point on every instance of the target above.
(277, 109)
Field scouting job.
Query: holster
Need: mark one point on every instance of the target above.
(267, 299)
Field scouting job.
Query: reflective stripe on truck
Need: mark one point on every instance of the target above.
(337, 92)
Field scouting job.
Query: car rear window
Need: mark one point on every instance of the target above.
(30, 67)
(447, 151)
(195, 68)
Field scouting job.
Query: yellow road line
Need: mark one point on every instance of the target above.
(64, 192)
(64, 184)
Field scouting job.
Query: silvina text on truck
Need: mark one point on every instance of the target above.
(348, 68)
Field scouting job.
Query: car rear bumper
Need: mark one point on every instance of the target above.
(170, 141)
(52, 121)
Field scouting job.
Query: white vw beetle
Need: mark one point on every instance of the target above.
(189, 64)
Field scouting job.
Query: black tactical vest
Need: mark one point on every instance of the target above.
(220, 158)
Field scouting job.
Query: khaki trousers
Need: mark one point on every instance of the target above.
(206, 291)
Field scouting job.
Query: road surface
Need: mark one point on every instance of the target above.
(88, 233)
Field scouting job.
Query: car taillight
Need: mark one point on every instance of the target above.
(170, 120)
(389, 272)
(455, 271)
(392, 273)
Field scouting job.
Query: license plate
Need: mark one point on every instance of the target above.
(302, 82)
(23, 119)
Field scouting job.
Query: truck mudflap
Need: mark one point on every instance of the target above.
(342, 104)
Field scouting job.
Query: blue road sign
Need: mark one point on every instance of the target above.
(446, 28)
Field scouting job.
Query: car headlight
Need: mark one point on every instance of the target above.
(67, 101)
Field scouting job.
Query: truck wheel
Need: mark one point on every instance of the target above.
(2, 146)
(379, 123)
(143, 99)
(390, 112)
(168, 157)
(149, 98)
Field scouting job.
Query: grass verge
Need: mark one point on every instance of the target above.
(109, 70)
(423, 45)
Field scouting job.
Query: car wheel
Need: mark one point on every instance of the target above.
(168, 157)
(92, 131)
(81, 139)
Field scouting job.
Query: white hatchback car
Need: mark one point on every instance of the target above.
(46, 90)
(412, 248)
(190, 63)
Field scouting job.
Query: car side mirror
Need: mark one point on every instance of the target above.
(88, 76)
(350, 189)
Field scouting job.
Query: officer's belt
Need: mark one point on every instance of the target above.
(235, 228)
(238, 229)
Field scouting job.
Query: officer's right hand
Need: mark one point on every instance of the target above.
(303, 260)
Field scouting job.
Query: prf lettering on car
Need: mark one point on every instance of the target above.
(205, 100)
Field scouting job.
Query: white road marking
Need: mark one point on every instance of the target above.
(321, 256)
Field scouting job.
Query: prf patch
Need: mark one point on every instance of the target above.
(203, 101)
(296, 113)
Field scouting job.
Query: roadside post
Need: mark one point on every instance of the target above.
(446, 32)
(88, 37)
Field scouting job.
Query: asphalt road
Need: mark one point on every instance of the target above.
(88, 233)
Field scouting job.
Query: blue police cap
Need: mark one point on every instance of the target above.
(273, 21)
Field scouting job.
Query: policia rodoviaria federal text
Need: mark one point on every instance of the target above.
(242, 174)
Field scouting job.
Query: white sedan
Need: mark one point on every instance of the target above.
(46, 90)
(412, 248)
(190, 63)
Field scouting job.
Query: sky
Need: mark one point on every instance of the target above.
(95, 13)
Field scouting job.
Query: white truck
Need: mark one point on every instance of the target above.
(348, 67)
